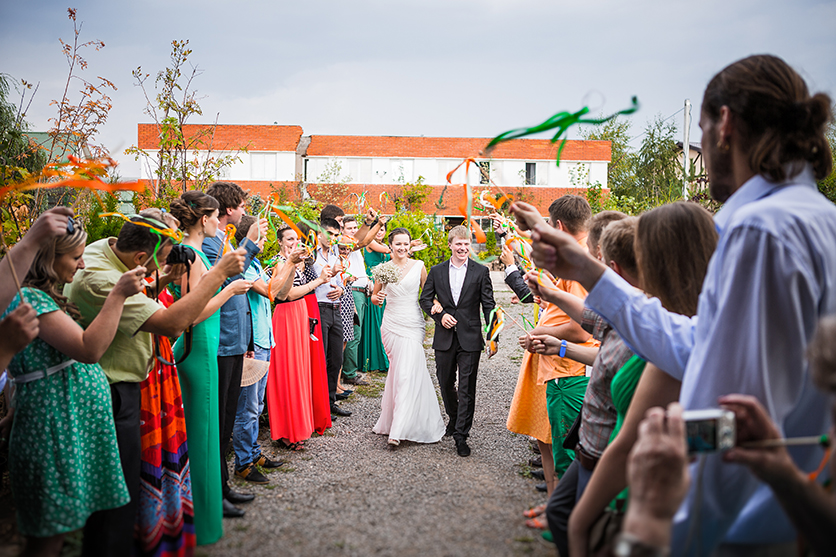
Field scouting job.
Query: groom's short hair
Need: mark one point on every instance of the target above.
(460, 232)
(573, 211)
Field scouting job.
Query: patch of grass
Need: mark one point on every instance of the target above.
(340, 544)
(524, 539)
(285, 469)
(524, 470)
(377, 381)
(270, 486)
(241, 527)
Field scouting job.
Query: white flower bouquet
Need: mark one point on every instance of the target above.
(386, 273)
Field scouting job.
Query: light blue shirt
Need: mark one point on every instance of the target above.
(771, 278)
(259, 308)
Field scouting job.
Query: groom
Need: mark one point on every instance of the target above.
(460, 285)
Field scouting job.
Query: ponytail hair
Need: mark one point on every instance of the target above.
(779, 122)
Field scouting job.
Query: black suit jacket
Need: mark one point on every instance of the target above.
(477, 291)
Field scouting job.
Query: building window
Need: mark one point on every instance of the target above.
(530, 173)
(485, 172)
(263, 166)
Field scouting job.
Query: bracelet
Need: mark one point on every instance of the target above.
(562, 353)
(627, 545)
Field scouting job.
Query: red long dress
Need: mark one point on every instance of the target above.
(297, 384)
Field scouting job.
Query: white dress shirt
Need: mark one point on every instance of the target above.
(357, 268)
(772, 276)
(457, 275)
(331, 257)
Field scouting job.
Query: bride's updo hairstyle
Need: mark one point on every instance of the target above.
(192, 206)
(397, 231)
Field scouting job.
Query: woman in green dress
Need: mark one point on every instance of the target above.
(63, 456)
(198, 216)
(372, 353)
(673, 246)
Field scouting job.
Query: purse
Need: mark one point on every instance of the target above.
(605, 528)
(572, 438)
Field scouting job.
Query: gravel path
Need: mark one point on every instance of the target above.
(348, 493)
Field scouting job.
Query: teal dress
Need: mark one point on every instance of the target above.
(623, 387)
(199, 385)
(63, 456)
(372, 353)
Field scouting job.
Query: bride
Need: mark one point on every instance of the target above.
(409, 408)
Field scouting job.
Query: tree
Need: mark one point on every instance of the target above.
(658, 178)
(621, 175)
(331, 187)
(183, 161)
(19, 159)
(828, 185)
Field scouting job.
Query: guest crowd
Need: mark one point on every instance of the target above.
(119, 432)
(106, 432)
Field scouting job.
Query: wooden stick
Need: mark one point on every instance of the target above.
(12, 266)
(517, 324)
(823, 440)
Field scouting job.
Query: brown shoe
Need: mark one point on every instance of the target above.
(252, 475)
(356, 380)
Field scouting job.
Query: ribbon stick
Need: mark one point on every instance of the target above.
(74, 173)
(561, 121)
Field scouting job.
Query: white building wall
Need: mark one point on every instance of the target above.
(255, 165)
(511, 173)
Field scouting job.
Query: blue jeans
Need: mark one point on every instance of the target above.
(250, 405)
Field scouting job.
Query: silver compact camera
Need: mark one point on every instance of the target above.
(709, 431)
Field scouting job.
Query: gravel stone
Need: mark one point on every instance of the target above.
(349, 493)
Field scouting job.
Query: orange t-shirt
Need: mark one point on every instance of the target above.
(554, 367)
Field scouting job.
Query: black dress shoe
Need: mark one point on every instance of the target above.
(265, 462)
(231, 511)
(538, 475)
(337, 411)
(462, 448)
(237, 497)
(542, 487)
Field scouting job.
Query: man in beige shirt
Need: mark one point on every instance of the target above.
(130, 356)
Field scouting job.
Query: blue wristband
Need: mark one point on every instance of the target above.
(562, 352)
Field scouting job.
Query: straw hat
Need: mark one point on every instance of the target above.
(254, 370)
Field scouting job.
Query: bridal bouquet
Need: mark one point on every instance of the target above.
(386, 273)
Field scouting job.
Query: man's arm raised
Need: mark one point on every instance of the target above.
(172, 321)
(556, 251)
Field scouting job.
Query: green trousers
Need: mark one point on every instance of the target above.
(351, 359)
(564, 397)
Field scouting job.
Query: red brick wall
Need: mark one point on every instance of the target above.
(538, 196)
(453, 147)
(231, 136)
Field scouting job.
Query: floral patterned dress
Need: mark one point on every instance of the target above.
(63, 457)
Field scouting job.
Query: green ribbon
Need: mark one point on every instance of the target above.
(561, 121)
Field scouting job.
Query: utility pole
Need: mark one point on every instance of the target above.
(686, 149)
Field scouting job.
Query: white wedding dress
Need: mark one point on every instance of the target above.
(409, 409)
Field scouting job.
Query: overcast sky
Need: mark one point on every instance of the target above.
(468, 68)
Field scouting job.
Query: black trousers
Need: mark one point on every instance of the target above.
(332, 340)
(111, 531)
(459, 404)
(230, 369)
